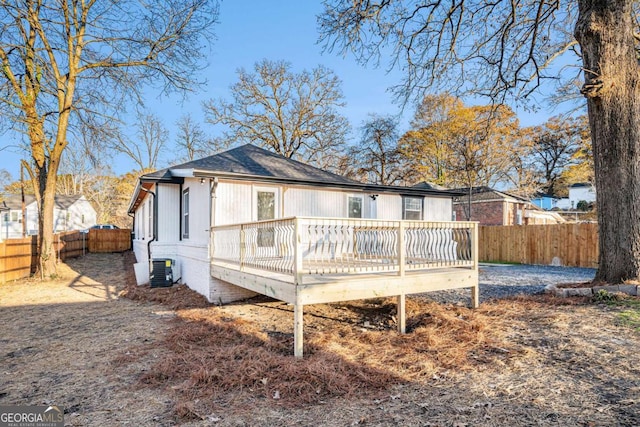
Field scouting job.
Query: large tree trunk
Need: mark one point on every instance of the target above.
(605, 31)
(47, 267)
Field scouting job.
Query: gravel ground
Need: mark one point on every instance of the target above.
(500, 281)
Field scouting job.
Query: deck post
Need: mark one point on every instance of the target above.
(298, 330)
(402, 315)
(297, 253)
(475, 290)
(242, 247)
(475, 296)
(401, 249)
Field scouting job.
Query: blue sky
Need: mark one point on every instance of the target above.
(252, 30)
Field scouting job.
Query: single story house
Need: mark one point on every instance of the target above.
(176, 208)
(493, 207)
(69, 213)
(249, 221)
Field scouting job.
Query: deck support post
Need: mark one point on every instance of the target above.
(475, 257)
(402, 315)
(475, 296)
(297, 330)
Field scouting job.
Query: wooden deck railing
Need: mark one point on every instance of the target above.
(306, 245)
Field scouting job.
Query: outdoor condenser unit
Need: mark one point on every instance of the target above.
(161, 273)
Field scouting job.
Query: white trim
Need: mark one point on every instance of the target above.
(278, 205)
(355, 196)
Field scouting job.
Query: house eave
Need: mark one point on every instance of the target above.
(367, 188)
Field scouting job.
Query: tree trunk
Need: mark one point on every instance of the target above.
(605, 31)
(47, 267)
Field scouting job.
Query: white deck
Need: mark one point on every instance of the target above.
(319, 260)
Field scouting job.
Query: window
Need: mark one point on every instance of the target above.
(266, 210)
(355, 206)
(185, 214)
(266, 205)
(15, 216)
(412, 208)
(150, 210)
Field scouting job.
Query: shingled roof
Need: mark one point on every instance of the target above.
(14, 202)
(251, 161)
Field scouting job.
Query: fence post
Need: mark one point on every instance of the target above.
(3, 267)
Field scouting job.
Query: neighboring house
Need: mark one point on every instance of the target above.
(175, 208)
(581, 192)
(493, 207)
(545, 201)
(69, 213)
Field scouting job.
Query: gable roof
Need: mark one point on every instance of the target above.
(429, 186)
(484, 193)
(251, 163)
(14, 202)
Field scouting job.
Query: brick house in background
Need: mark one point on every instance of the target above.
(493, 207)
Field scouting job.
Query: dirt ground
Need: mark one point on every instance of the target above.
(75, 342)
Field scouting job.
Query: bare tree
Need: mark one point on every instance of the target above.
(294, 114)
(191, 140)
(75, 169)
(557, 145)
(504, 50)
(377, 159)
(5, 180)
(150, 139)
(62, 61)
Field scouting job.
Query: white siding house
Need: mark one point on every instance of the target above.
(70, 213)
(175, 209)
(583, 192)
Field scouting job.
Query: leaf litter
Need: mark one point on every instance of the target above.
(167, 357)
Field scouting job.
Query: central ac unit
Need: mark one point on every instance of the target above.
(161, 273)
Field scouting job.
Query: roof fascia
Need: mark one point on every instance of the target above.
(368, 188)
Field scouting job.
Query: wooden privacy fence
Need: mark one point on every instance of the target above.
(17, 256)
(573, 245)
(104, 240)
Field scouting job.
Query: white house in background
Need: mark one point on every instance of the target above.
(581, 192)
(577, 193)
(69, 213)
(175, 208)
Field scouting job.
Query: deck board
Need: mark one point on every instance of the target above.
(336, 287)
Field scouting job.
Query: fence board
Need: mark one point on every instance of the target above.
(104, 240)
(574, 245)
(18, 256)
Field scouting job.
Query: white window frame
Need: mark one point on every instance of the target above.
(185, 213)
(405, 210)
(358, 197)
(150, 219)
(277, 206)
(142, 233)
